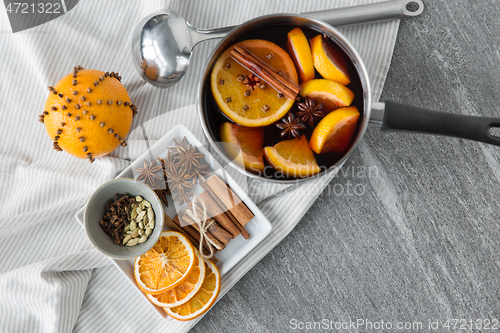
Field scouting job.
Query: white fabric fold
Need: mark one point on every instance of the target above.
(51, 279)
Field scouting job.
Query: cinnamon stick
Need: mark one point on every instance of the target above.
(214, 241)
(216, 212)
(265, 72)
(193, 233)
(214, 228)
(229, 202)
(172, 225)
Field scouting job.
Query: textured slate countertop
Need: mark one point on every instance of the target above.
(420, 243)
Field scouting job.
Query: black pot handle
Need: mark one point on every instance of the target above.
(402, 117)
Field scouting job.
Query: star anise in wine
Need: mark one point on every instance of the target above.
(149, 173)
(251, 81)
(187, 159)
(290, 126)
(309, 111)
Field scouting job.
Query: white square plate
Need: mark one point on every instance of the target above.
(258, 228)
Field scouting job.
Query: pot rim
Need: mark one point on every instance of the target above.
(299, 20)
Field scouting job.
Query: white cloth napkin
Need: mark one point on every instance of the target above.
(51, 278)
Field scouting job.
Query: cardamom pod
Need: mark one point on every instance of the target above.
(127, 228)
(133, 214)
(140, 216)
(133, 226)
(149, 231)
(143, 239)
(151, 214)
(138, 198)
(146, 203)
(141, 232)
(152, 224)
(135, 234)
(126, 239)
(141, 225)
(133, 242)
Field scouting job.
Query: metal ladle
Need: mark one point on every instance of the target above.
(163, 41)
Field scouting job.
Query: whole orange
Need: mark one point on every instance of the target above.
(88, 113)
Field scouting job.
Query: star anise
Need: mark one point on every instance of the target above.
(251, 81)
(187, 159)
(200, 173)
(180, 182)
(179, 146)
(149, 173)
(162, 194)
(168, 162)
(309, 111)
(182, 196)
(290, 126)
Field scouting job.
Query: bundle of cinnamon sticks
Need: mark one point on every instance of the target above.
(226, 216)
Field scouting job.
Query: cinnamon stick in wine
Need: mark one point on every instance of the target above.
(216, 212)
(265, 72)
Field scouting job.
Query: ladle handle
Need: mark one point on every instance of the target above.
(369, 13)
(402, 117)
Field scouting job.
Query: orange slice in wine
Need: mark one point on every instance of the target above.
(335, 131)
(245, 98)
(300, 51)
(247, 140)
(293, 158)
(329, 61)
(331, 93)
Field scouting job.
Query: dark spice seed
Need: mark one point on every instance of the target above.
(99, 101)
(126, 104)
(89, 90)
(102, 124)
(110, 102)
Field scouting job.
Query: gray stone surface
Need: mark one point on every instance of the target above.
(422, 243)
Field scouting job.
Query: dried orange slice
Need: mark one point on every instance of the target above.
(293, 158)
(331, 93)
(329, 61)
(249, 141)
(204, 298)
(166, 265)
(186, 289)
(242, 96)
(335, 131)
(300, 51)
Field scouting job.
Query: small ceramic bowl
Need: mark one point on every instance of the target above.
(96, 207)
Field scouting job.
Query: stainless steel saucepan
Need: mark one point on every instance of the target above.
(390, 116)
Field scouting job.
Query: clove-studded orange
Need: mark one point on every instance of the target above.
(88, 113)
